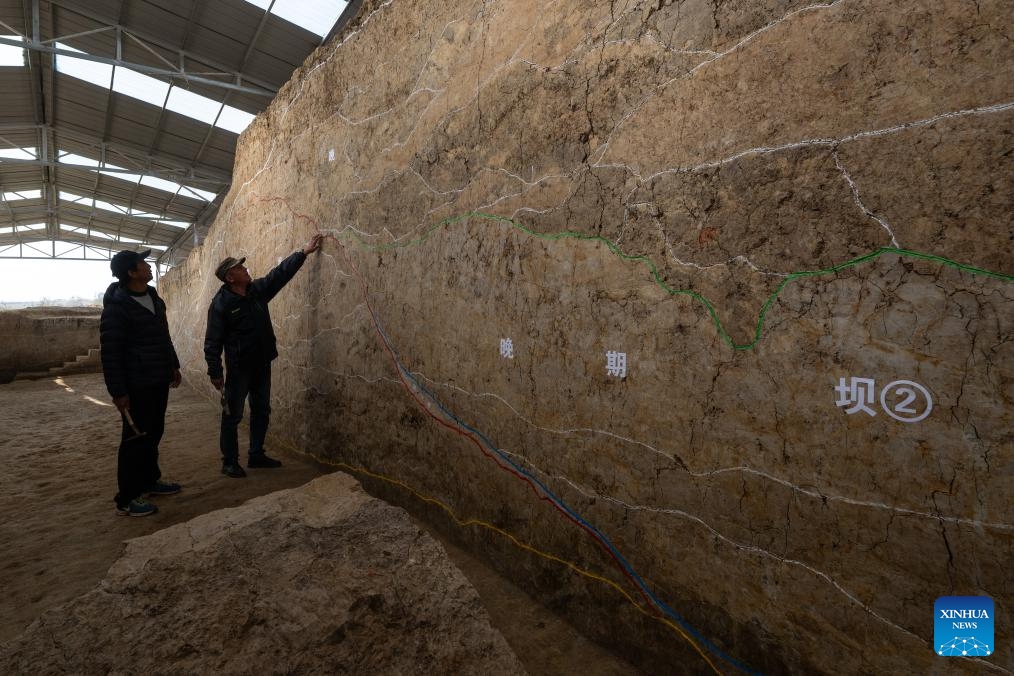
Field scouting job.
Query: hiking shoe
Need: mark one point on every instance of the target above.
(164, 488)
(263, 461)
(233, 469)
(136, 507)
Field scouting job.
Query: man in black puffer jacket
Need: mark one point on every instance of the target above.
(140, 365)
(239, 322)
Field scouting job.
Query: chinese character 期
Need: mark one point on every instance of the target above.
(616, 364)
(856, 393)
(507, 348)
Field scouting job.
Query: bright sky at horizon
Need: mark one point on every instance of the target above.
(31, 281)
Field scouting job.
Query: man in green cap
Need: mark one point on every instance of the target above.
(239, 323)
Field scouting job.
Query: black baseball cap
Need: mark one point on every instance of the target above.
(125, 261)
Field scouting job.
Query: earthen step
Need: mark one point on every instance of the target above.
(31, 375)
(83, 363)
(78, 368)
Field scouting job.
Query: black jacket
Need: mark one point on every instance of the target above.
(137, 351)
(242, 324)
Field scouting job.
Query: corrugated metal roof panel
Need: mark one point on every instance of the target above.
(20, 180)
(87, 117)
(186, 130)
(19, 134)
(287, 41)
(131, 109)
(117, 190)
(235, 19)
(223, 49)
(16, 108)
(157, 235)
(70, 90)
(108, 9)
(168, 20)
(190, 204)
(23, 215)
(169, 141)
(221, 150)
(247, 102)
(77, 182)
(270, 67)
(12, 13)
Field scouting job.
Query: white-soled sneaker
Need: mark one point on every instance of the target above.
(136, 507)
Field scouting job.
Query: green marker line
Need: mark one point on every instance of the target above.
(653, 269)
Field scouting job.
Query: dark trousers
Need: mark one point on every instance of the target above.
(240, 382)
(137, 464)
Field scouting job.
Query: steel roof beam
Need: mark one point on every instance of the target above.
(103, 248)
(180, 165)
(141, 68)
(163, 44)
(82, 209)
(167, 174)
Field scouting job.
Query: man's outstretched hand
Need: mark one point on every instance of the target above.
(313, 244)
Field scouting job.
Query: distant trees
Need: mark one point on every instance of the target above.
(45, 301)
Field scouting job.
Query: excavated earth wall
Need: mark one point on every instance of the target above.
(35, 339)
(695, 318)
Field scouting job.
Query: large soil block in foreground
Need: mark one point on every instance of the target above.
(321, 579)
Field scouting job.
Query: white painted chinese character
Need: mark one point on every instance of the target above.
(507, 348)
(856, 394)
(330, 155)
(616, 364)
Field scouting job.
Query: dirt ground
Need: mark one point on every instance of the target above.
(60, 533)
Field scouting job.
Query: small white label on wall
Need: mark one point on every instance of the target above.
(330, 155)
(507, 348)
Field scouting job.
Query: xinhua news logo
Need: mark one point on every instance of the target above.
(963, 626)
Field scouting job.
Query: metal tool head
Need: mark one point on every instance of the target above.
(130, 421)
